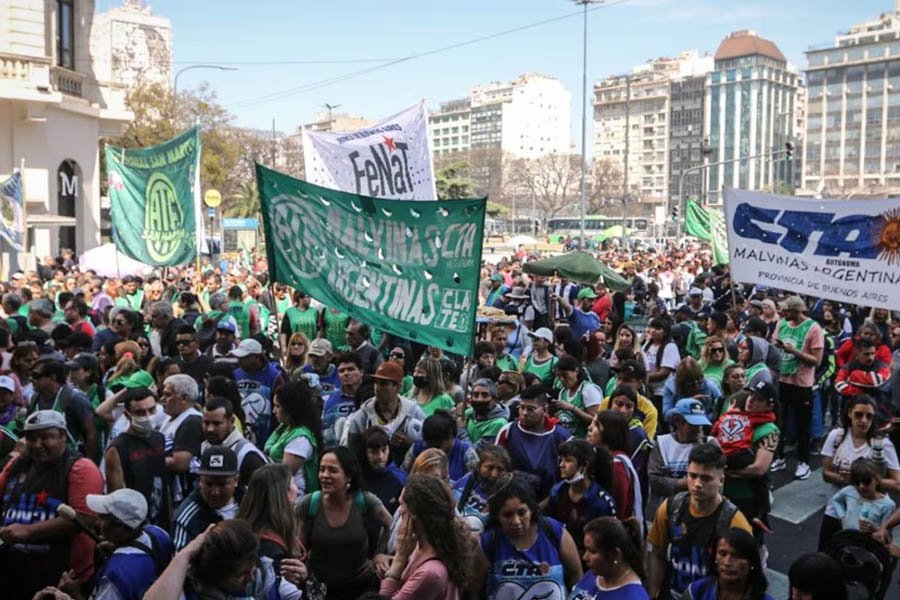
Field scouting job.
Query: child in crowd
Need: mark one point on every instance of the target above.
(862, 500)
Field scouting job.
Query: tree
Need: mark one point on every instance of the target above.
(245, 203)
(553, 179)
(453, 182)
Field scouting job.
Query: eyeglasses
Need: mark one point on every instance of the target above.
(397, 355)
(863, 415)
(120, 322)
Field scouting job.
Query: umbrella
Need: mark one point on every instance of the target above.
(107, 261)
(580, 267)
(523, 240)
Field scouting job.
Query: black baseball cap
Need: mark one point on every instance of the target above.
(218, 461)
(764, 390)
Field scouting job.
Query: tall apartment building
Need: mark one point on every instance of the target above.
(853, 123)
(527, 118)
(751, 110)
(54, 107)
(644, 100)
(131, 45)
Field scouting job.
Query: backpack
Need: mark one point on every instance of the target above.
(678, 506)
(359, 503)
(153, 551)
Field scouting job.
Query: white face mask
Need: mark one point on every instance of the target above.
(577, 477)
(142, 425)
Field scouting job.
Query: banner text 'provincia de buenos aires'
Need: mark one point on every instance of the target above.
(408, 268)
(844, 250)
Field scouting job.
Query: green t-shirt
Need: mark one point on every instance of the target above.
(716, 372)
(489, 428)
(742, 489)
(789, 362)
(303, 321)
(406, 385)
(277, 443)
(576, 426)
(507, 362)
(336, 328)
(441, 402)
(543, 370)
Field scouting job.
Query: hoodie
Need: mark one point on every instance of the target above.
(408, 422)
(759, 368)
(488, 427)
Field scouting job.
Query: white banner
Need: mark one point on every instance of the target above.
(844, 250)
(390, 159)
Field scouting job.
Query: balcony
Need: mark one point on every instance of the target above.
(66, 81)
(26, 71)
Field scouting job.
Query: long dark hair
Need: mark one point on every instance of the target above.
(666, 326)
(846, 421)
(745, 548)
(266, 506)
(431, 502)
(609, 534)
(298, 402)
(515, 487)
(615, 430)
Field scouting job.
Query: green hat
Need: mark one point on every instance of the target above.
(496, 277)
(586, 293)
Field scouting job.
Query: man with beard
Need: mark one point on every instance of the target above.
(219, 430)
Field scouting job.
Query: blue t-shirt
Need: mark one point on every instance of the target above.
(476, 504)
(587, 589)
(536, 572)
(337, 408)
(583, 322)
(329, 382)
(708, 589)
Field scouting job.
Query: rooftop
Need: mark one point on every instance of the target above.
(747, 43)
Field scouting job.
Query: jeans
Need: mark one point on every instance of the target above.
(796, 402)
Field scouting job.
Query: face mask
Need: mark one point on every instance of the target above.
(481, 409)
(420, 381)
(579, 476)
(142, 425)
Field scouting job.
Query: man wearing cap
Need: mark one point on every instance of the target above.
(495, 292)
(140, 551)
(52, 392)
(223, 340)
(581, 318)
(190, 360)
(695, 302)
(687, 526)
(541, 362)
(485, 417)
(802, 343)
(257, 379)
(320, 355)
(39, 545)
(400, 417)
(668, 463)
(183, 430)
(136, 459)
(212, 501)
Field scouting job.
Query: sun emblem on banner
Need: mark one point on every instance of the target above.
(887, 236)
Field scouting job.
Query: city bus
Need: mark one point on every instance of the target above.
(595, 226)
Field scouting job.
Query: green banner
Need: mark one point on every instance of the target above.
(153, 206)
(707, 224)
(407, 267)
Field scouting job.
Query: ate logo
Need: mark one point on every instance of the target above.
(383, 170)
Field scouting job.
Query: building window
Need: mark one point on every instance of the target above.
(65, 34)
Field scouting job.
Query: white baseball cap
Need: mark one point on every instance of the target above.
(127, 505)
(7, 383)
(246, 348)
(543, 333)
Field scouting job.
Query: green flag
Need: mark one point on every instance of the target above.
(152, 199)
(707, 224)
(407, 267)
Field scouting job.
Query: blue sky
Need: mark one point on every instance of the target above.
(619, 37)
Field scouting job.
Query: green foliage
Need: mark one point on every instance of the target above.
(497, 210)
(245, 203)
(453, 182)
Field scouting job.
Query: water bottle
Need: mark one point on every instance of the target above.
(878, 455)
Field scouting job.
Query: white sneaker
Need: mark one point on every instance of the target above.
(802, 471)
(779, 464)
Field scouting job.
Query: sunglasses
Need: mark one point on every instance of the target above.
(183, 342)
(717, 350)
(397, 355)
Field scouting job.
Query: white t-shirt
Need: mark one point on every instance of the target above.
(670, 359)
(302, 448)
(229, 511)
(844, 455)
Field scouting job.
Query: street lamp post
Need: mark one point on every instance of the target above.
(188, 68)
(584, 103)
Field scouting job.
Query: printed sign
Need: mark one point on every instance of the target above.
(844, 250)
(391, 159)
(408, 268)
(155, 213)
(12, 215)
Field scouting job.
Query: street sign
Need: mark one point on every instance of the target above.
(212, 198)
(211, 212)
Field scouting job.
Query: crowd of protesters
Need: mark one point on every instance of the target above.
(214, 435)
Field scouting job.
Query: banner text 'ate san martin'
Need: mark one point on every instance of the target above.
(390, 159)
(844, 250)
(407, 268)
(153, 202)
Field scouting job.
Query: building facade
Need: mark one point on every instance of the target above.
(852, 140)
(751, 111)
(633, 121)
(131, 45)
(688, 145)
(526, 118)
(53, 110)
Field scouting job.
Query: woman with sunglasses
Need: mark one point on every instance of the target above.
(714, 359)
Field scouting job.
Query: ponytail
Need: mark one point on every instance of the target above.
(127, 356)
(609, 534)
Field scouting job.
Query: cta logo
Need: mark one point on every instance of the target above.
(822, 233)
(164, 227)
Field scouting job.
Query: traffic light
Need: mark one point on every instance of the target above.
(789, 151)
(675, 208)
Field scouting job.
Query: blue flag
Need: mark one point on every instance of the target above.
(12, 215)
